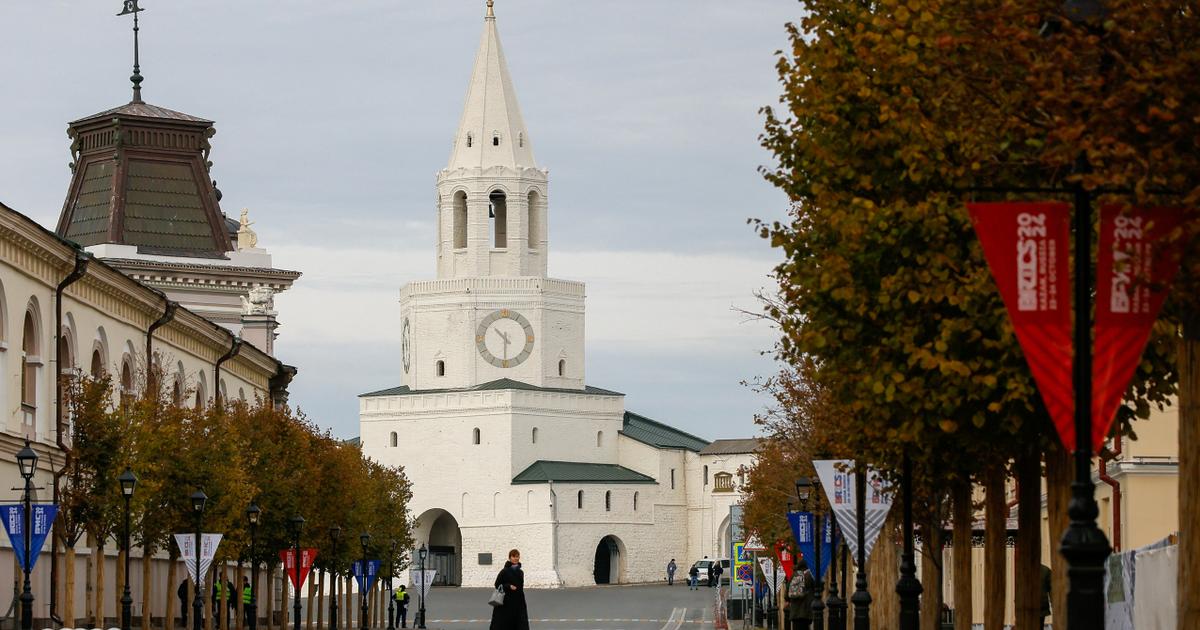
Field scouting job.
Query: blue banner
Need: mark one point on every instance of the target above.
(372, 573)
(42, 516)
(802, 528)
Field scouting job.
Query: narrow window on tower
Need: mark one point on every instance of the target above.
(672, 478)
(460, 220)
(395, 439)
(499, 216)
(562, 367)
(470, 141)
(521, 139)
(599, 438)
(440, 368)
(534, 210)
(608, 501)
(533, 436)
(579, 500)
(475, 436)
(496, 138)
(635, 498)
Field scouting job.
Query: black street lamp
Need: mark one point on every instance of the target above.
(908, 587)
(391, 588)
(296, 524)
(253, 513)
(363, 613)
(421, 553)
(198, 500)
(804, 489)
(861, 598)
(335, 532)
(128, 483)
(27, 460)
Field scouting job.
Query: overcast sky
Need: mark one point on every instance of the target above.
(333, 117)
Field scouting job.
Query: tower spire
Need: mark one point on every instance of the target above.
(131, 6)
(491, 13)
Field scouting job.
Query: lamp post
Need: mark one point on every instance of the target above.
(296, 524)
(252, 515)
(128, 483)
(27, 460)
(804, 489)
(421, 553)
(335, 532)
(861, 598)
(198, 500)
(391, 587)
(908, 587)
(364, 602)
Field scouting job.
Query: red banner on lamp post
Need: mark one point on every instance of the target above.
(1027, 249)
(1134, 269)
(784, 555)
(288, 557)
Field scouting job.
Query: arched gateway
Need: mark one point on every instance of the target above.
(440, 533)
(609, 562)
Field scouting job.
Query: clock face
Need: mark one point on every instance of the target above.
(504, 338)
(406, 345)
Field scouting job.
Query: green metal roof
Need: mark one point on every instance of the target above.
(500, 384)
(544, 471)
(657, 434)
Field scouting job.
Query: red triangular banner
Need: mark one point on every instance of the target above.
(288, 557)
(1134, 269)
(1027, 249)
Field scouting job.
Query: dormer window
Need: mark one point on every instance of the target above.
(495, 138)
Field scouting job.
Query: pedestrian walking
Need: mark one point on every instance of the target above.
(513, 614)
(800, 591)
(247, 609)
(693, 578)
(717, 571)
(402, 605)
(671, 572)
(182, 592)
(710, 575)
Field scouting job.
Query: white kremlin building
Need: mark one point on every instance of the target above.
(504, 442)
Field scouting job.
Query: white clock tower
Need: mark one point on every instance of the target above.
(492, 313)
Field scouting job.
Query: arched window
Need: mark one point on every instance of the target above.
(126, 380)
(533, 435)
(30, 362)
(495, 138)
(579, 499)
(498, 212)
(394, 439)
(97, 364)
(460, 219)
(241, 394)
(562, 367)
(608, 501)
(706, 475)
(475, 436)
(199, 399)
(177, 393)
(635, 498)
(599, 439)
(439, 368)
(534, 209)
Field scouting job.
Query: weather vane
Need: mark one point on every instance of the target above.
(131, 6)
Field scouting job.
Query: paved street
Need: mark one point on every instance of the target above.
(651, 607)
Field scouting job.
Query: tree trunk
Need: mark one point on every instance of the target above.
(270, 596)
(995, 561)
(1188, 578)
(211, 620)
(312, 587)
(931, 575)
(98, 622)
(239, 601)
(147, 591)
(89, 588)
(172, 593)
(1027, 569)
(1059, 475)
(320, 578)
(964, 513)
(68, 598)
(883, 567)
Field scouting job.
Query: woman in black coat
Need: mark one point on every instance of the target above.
(512, 615)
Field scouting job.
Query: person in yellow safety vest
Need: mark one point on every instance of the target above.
(218, 589)
(402, 606)
(247, 599)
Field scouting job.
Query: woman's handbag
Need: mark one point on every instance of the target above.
(497, 598)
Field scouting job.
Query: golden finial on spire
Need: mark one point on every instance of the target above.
(491, 12)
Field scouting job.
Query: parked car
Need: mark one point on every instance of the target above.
(702, 567)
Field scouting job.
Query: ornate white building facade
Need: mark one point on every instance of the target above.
(504, 442)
